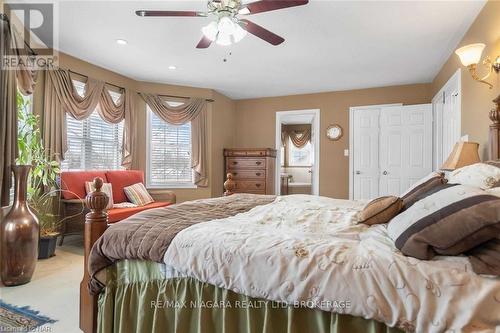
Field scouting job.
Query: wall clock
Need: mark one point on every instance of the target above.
(334, 132)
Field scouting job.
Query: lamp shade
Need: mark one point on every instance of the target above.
(470, 54)
(463, 154)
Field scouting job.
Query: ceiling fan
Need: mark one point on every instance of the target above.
(228, 27)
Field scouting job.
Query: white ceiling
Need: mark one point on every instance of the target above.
(329, 45)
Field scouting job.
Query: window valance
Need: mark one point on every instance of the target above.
(61, 97)
(194, 111)
(299, 138)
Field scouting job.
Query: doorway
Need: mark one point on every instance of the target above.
(297, 145)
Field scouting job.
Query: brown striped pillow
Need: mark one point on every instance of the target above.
(424, 185)
(381, 210)
(451, 221)
(137, 194)
(485, 258)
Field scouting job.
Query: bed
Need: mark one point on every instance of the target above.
(250, 263)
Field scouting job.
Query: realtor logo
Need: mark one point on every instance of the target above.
(34, 37)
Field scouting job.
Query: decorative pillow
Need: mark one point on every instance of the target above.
(485, 258)
(381, 210)
(423, 185)
(137, 194)
(107, 188)
(482, 175)
(448, 222)
(494, 163)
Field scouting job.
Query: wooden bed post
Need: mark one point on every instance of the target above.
(96, 223)
(229, 184)
(494, 139)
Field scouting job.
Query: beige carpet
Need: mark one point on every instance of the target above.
(54, 288)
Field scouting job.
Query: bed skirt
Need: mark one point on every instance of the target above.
(138, 298)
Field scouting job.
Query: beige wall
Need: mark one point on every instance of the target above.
(476, 97)
(224, 129)
(256, 119)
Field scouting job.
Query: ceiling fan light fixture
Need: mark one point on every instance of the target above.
(210, 31)
(224, 39)
(226, 26)
(239, 33)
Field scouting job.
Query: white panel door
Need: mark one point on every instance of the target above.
(365, 147)
(405, 147)
(451, 122)
(447, 119)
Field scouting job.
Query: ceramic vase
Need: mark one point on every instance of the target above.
(19, 233)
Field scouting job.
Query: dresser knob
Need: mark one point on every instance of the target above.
(257, 185)
(235, 173)
(258, 174)
(235, 162)
(258, 163)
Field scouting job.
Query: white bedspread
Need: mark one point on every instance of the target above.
(309, 249)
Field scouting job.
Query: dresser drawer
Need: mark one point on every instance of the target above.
(245, 163)
(248, 174)
(249, 185)
(250, 191)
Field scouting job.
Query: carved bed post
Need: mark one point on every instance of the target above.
(229, 184)
(494, 138)
(96, 223)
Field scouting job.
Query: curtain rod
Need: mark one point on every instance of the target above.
(210, 100)
(109, 84)
(5, 18)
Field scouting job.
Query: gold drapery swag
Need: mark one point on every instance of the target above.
(61, 97)
(194, 111)
(10, 80)
(299, 138)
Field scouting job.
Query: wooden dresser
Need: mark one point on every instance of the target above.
(253, 170)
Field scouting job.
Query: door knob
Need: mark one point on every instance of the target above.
(385, 173)
(358, 172)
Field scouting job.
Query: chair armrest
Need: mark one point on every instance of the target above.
(73, 201)
(163, 195)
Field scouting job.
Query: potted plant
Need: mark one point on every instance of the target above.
(42, 188)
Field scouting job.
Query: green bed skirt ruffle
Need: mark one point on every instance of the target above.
(138, 298)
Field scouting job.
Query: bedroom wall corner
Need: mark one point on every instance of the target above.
(476, 97)
(224, 133)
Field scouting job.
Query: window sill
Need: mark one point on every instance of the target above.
(171, 186)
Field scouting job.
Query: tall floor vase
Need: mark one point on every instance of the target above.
(19, 233)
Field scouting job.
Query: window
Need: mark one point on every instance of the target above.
(169, 153)
(299, 156)
(28, 108)
(92, 142)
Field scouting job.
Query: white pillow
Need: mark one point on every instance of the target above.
(106, 188)
(480, 175)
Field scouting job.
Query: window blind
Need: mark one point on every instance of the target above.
(93, 143)
(169, 154)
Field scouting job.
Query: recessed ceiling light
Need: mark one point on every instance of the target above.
(121, 42)
(172, 67)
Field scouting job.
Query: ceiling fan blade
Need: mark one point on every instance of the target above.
(163, 13)
(204, 43)
(269, 5)
(261, 32)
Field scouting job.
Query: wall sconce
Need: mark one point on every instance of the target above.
(470, 55)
